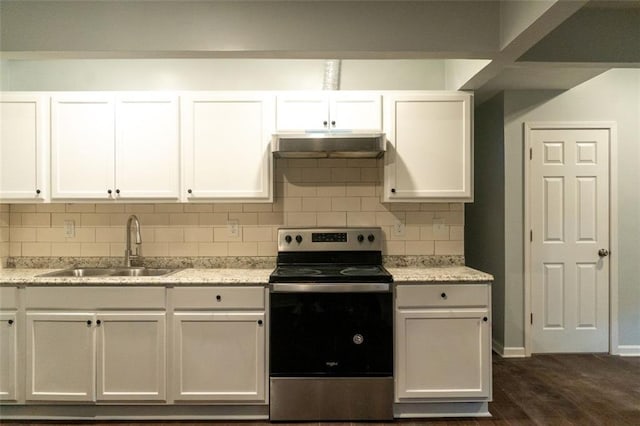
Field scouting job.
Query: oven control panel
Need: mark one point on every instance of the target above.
(329, 239)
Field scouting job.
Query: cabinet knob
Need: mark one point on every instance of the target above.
(324, 123)
(393, 190)
(10, 322)
(443, 295)
(117, 191)
(109, 191)
(333, 123)
(485, 319)
(259, 322)
(98, 322)
(88, 322)
(38, 191)
(218, 298)
(189, 191)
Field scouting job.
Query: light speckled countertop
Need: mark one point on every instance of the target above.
(238, 276)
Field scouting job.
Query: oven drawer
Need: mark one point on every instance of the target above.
(237, 297)
(441, 295)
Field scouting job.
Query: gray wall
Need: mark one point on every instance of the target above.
(612, 96)
(216, 74)
(484, 218)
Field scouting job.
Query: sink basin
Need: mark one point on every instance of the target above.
(110, 272)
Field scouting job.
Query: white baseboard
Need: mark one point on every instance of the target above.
(508, 352)
(629, 350)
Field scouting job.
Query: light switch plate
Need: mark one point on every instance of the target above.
(69, 228)
(233, 228)
(398, 228)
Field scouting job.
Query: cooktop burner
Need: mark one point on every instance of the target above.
(330, 273)
(297, 271)
(361, 270)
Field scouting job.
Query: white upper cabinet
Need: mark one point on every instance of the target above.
(23, 147)
(147, 147)
(430, 153)
(108, 147)
(320, 111)
(226, 146)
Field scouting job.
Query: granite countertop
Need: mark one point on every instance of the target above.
(236, 276)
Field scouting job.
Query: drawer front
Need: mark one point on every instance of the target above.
(8, 298)
(95, 297)
(218, 298)
(442, 295)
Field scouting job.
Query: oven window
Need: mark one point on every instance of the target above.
(331, 334)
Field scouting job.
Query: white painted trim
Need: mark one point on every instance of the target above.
(611, 126)
(628, 350)
(508, 352)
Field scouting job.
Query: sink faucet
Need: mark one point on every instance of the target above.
(128, 255)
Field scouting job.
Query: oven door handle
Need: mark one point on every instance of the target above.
(330, 288)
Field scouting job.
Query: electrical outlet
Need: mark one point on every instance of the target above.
(233, 228)
(69, 229)
(438, 225)
(398, 229)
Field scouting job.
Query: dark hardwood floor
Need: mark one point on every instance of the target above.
(568, 389)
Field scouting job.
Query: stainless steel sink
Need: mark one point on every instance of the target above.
(111, 272)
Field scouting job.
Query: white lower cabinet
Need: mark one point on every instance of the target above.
(8, 356)
(443, 337)
(219, 352)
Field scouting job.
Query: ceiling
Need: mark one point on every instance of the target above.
(487, 46)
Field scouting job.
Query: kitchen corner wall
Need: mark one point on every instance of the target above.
(309, 192)
(4, 233)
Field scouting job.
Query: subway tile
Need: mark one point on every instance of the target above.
(278, 190)
(332, 162)
(301, 219)
(434, 207)
(291, 175)
(222, 234)
(183, 249)
(184, 219)
(65, 249)
(332, 190)
(110, 208)
(372, 204)
(300, 190)
(452, 218)
(291, 204)
(22, 234)
(95, 249)
(84, 235)
(4, 235)
(360, 190)
(50, 208)
(244, 218)
(362, 162)
(411, 233)
(361, 219)
(198, 208)
(257, 208)
(252, 233)
(419, 248)
(267, 248)
(370, 175)
(316, 175)
(149, 219)
(281, 163)
(80, 208)
(345, 204)
(36, 249)
(198, 235)
(449, 247)
(433, 232)
(316, 204)
(139, 208)
(394, 248)
(155, 249)
(5, 208)
(345, 174)
(168, 208)
(15, 249)
(15, 219)
(36, 219)
(111, 235)
(117, 250)
(57, 219)
(148, 234)
(50, 235)
(4, 252)
(95, 219)
(456, 206)
(407, 207)
(303, 162)
(22, 208)
(332, 219)
(275, 218)
(456, 233)
(212, 219)
(243, 249)
(169, 235)
(226, 208)
(4, 219)
(389, 218)
(419, 218)
(213, 249)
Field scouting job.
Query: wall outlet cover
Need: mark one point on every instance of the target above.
(69, 229)
(233, 228)
(398, 229)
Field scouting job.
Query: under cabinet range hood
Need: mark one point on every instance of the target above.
(328, 145)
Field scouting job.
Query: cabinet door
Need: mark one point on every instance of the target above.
(82, 146)
(227, 152)
(147, 147)
(219, 357)
(23, 133)
(302, 111)
(355, 111)
(131, 356)
(430, 153)
(8, 356)
(442, 353)
(60, 356)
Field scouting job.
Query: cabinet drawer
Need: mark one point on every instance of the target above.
(95, 298)
(8, 298)
(218, 298)
(442, 295)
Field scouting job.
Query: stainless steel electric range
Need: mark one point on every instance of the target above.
(331, 326)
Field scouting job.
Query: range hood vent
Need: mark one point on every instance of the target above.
(328, 145)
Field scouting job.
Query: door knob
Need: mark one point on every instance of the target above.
(603, 252)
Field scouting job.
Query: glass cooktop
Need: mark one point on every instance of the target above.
(330, 273)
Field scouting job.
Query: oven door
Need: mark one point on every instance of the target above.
(331, 330)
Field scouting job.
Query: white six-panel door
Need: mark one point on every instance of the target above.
(569, 216)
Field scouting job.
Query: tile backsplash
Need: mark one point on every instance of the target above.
(308, 192)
